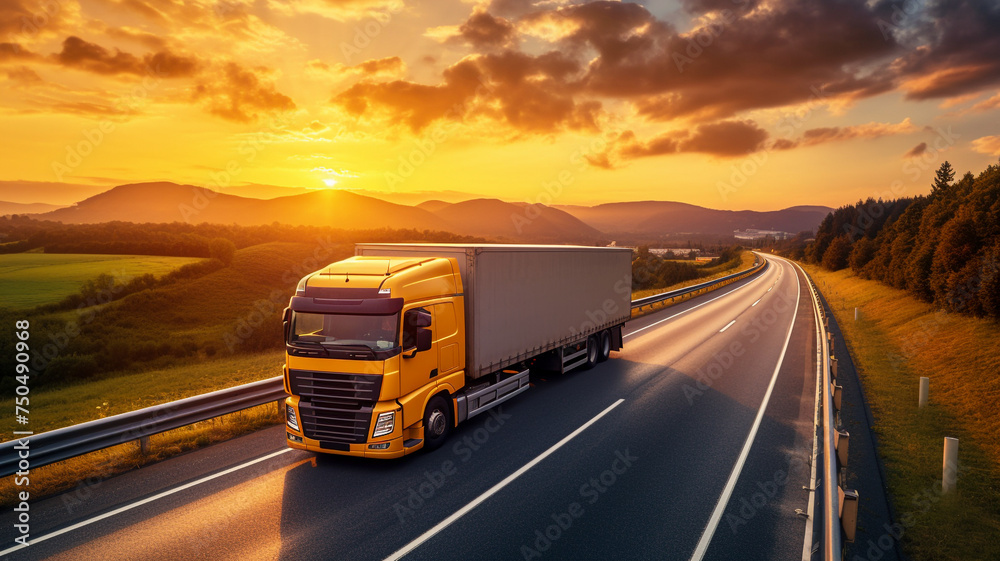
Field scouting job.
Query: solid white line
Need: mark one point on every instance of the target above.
(728, 325)
(757, 302)
(144, 501)
(492, 490)
(727, 491)
(692, 308)
(807, 541)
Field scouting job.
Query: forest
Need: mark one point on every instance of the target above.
(944, 247)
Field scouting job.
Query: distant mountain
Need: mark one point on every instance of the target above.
(170, 202)
(489, 218)
(25, 208)
(415, 198)
(515, 221)
(662, 217)
(48, 192)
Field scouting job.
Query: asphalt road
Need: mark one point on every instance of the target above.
(692, 443)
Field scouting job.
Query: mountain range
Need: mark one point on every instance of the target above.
(489, 218)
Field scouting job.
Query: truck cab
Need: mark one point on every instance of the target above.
(371, 342)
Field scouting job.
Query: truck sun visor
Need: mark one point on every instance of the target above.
(374, 306)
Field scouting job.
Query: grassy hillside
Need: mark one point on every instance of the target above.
(897, 340)
(30, 279)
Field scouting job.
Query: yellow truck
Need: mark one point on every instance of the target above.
(387, 351)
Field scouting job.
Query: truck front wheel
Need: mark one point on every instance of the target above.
(437, 423)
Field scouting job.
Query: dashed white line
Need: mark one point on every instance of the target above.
(757, 302)
(147, 500)
(728, 325)
(727, 491)
(399, 554)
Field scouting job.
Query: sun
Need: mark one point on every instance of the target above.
(330, 182)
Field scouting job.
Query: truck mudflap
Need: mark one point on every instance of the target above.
(477, 399)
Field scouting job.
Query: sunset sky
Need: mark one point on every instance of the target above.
(731, 104)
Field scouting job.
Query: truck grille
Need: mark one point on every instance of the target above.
(336, 407)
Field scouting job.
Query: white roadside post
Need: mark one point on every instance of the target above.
(949, 472)
(925, 388)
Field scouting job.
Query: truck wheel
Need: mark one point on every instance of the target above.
(605, 346)
(593, 353)
(437, 423)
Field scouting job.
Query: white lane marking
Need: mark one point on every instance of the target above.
(728, 325)
(147, 500)
(692, 308)
(769, 289)
(492, 490)
(727, 491)
(757, 302)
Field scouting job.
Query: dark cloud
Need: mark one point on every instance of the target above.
(77, 53)
(378, 65)
(917, 150)
(953, 47)
(724, 139)
(529, 93)
(482, 30)
(240, 94)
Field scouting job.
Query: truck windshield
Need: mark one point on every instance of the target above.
(378, 333)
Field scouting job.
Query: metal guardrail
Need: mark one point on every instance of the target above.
(68, 442)
(656, 298)
(839, 508)
(62, 444)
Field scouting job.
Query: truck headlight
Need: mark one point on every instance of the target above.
(290, 417)
(384, 424)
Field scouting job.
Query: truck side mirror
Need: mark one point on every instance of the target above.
(286, 319)
(424, 340)
(416, 337)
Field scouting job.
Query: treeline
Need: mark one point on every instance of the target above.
(178, 239)
(654, 271)
(944, 247)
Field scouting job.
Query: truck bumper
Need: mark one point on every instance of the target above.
(395, 447)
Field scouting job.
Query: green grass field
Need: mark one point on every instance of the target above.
(896, 340)
(31, 279)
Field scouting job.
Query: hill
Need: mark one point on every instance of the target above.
(7, 208)
(495, 218)
(663, 217)
(170, 202)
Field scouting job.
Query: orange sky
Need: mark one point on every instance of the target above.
(733, 104)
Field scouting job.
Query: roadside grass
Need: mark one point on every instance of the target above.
(708, 273)
(85, 402)
(896, 340)
(31, 279)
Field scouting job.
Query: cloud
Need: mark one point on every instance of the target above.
(822, 135)
(988, 104)
(953, 47)
(388, 66)
(484, 31)
(987, 145)
(529, 94)
(917, 150)
(723, 139)
(240, 94)
(79, 54)
(337, 10)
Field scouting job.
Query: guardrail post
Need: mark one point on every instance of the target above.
(278, 405)
(833, 367)
(925, 389)
(949, 475)
(838, 393)
(843, 441)
(143, 445)
(848, 512)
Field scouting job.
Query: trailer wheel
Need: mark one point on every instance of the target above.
(437, 423)
(605, 346)
(593, 353)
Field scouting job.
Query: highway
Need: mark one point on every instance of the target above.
(692, 443)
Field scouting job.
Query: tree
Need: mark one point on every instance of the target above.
(943, 178)
(222, 249)
(837, 253)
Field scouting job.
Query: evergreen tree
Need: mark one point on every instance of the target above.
(943, 178)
